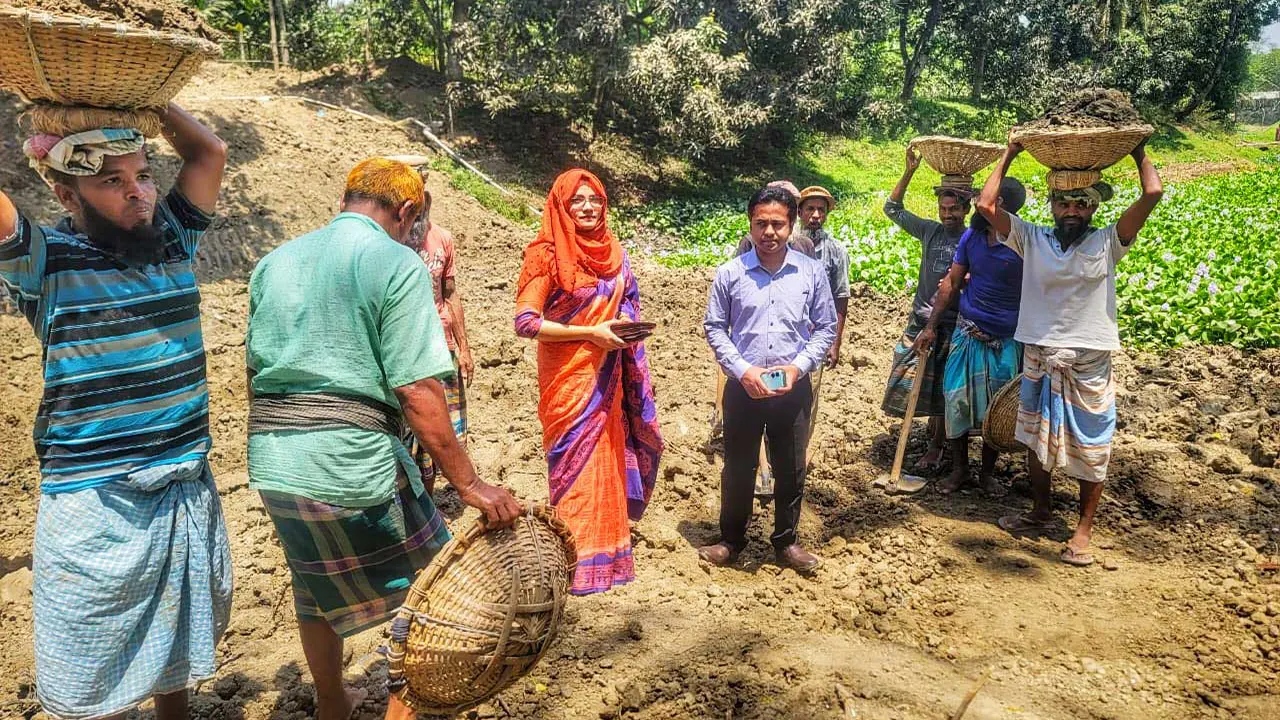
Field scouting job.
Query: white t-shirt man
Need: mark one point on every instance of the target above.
(1068, 297)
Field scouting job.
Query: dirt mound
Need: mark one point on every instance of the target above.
(916, 599)
(166, 15)
(1090, 108)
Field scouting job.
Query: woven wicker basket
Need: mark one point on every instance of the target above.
(955, 156)
(1081, 148)
(1071, 179)
(69, 60)
(1002, 417)
(482, 614)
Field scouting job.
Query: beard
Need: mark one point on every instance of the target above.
(979, 222)
(137, 247)
(1069, 234)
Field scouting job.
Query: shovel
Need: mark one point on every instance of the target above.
(895, 482)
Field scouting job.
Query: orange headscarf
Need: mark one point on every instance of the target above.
(571, 258)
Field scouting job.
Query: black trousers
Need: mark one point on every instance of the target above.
(784, 421)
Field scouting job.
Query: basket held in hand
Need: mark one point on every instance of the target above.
(1080, 148)
(68, 60)
(1002, 417)
(955, 156)
(482, 614)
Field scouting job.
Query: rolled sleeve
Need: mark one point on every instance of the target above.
(914, 225)
(22, 261)
(1019, 232)
(839, 273)
(412, 345)
(1117, 248)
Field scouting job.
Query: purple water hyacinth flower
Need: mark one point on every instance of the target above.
(1213, 288)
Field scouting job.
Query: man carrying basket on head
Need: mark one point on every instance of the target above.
(1067, 325)
(132, 572)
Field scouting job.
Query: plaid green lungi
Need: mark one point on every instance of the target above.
(905, 372)
(352, 567)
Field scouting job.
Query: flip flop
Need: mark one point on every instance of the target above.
(1024, 525)
(1076, 559)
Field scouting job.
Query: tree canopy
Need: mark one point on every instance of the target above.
(708, 75)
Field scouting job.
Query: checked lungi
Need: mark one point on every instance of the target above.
(978, 365)
(352, 567)
(132, 590)
(1067, 415)
(905, 372)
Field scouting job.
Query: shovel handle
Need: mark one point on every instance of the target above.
(908, 417)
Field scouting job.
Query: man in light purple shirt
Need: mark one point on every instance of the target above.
(770, 310)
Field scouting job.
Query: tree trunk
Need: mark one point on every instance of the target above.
(244, 56)
(1233, 29)
(368, 38)
(275, 42)
(284, 33)
(979, 70)
(453, 62)
(599, 71)
(920, 53)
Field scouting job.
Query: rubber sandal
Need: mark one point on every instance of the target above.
(1024, 525)
(1076, 559)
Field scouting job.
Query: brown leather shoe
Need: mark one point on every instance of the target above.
(720, 554)
(798, 559)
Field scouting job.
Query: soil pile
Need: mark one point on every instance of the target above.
(1090, 108)
(164, 15)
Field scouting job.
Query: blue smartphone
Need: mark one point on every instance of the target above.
(774, 379)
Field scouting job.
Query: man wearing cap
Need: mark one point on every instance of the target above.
(131, 566)
(1067, 325)
(938, 243)
(815, 204)
(984, 354)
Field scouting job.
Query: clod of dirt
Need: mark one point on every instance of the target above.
(166, 15)
(1090, 108)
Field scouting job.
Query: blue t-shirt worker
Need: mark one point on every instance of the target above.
(984, 356)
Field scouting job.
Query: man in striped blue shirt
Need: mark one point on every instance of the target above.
(132, 573)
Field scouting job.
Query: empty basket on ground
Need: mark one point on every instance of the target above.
(1002, 417)
(482, 613)
(1086, 151)
(956, 156)
(68, 60)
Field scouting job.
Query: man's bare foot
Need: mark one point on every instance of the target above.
(352, 698)
(988, 484)
(958, 478)
(931, 462)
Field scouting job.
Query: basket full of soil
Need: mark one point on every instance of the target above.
(117, 54)
(1090, 131)
(482, 614)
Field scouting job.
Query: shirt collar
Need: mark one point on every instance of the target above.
(752, 260)
(359, 217)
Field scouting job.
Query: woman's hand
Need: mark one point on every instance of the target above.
(602, 335)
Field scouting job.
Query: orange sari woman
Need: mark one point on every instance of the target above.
(599, 421)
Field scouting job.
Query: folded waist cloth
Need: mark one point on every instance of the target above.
(321, 411)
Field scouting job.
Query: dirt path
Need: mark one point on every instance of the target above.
(917, 599)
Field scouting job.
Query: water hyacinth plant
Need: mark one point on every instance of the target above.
(1204, 270)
